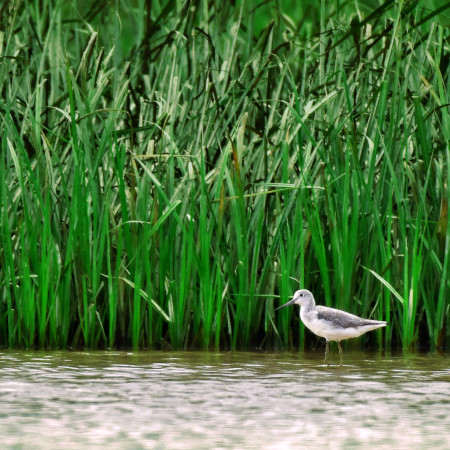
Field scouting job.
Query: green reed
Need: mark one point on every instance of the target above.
(168, 178)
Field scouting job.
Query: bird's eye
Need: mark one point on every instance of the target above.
(301, 295)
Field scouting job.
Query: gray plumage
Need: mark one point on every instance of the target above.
(341, 318)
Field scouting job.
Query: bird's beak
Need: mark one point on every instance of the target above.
(286, 304)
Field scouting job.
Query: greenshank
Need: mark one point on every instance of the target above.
(332, 324)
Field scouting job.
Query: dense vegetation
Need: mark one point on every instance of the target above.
(172, 171)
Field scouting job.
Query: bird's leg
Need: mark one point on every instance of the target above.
(341, 353)
(327, 351)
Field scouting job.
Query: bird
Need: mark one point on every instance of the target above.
(332, 324)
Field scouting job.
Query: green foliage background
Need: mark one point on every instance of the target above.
(172, 170)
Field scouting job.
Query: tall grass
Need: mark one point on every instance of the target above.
(171, 171)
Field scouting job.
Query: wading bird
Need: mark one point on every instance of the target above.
(332, 324)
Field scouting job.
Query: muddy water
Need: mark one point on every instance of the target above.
(201, 400)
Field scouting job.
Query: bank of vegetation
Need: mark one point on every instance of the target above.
(170, 172)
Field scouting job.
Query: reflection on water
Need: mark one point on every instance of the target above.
(222, 400)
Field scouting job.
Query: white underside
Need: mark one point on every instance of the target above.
(325, 329)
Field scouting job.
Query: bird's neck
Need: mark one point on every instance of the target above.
(309, 307)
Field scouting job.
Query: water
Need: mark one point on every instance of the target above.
(198, 400)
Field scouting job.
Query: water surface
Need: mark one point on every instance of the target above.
(199, 400)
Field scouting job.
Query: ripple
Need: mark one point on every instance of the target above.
(221, 400)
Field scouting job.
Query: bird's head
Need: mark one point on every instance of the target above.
(302, 297)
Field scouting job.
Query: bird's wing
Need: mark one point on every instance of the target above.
(341, 318)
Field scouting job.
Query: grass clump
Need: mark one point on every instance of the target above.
(166, 171)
